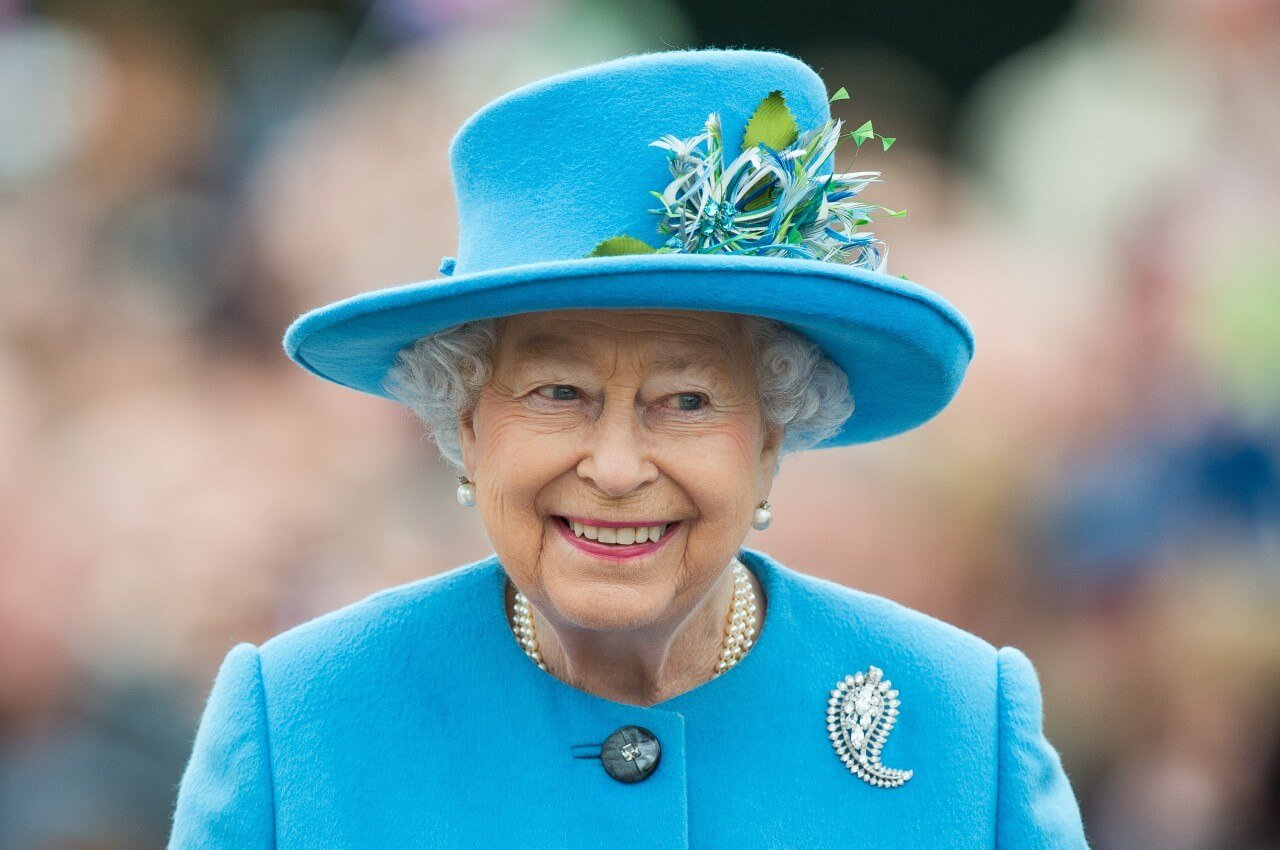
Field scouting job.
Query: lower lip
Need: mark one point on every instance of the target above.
(611, 551)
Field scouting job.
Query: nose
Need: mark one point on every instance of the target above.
(617, 454)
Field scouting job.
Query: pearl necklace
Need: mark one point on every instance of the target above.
(740, 627)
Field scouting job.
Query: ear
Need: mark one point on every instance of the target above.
(467, 441)
(773, 437)
(769, 452)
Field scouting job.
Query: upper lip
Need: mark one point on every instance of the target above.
(605, 523)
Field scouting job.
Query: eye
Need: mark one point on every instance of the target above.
(559, 392)
(690, 401)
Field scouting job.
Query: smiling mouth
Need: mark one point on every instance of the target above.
(620, 537)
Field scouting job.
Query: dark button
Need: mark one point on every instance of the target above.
(631, 754)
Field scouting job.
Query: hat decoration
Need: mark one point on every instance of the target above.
(777, 197)
(738, 149)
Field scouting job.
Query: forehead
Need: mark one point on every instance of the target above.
(665, 340)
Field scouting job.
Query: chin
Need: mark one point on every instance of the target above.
(604, 605)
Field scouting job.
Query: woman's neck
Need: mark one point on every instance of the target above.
(642, 668)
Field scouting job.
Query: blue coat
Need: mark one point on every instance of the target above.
(414, 719)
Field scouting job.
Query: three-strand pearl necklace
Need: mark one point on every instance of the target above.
(740, 626)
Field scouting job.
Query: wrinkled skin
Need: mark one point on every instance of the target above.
(613, 433)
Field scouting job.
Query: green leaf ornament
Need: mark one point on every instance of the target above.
(772, 124)
(617, 246)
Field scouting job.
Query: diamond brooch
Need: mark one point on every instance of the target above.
(860, 714)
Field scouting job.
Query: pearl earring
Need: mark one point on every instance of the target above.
(763, 516)
(466, 492)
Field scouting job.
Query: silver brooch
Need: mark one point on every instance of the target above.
(860, 715)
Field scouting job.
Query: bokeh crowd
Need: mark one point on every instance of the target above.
(1104, 492)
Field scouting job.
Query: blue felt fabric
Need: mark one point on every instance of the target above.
(414, 719)
(546, 172)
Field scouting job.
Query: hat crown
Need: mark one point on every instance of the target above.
(549, 170)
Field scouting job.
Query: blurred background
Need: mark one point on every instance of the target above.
(1095, 185)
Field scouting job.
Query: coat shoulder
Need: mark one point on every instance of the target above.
(864, 624)
(387, 628)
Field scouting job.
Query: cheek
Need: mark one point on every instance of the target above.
(510, 476)
(719, 472)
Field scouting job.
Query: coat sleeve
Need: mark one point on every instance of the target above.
(1035, 806)
(226, 797)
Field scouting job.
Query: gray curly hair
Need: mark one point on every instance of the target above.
(440, 376)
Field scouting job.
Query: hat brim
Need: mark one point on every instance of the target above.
(904, 348)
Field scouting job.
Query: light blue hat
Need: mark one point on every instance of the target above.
(621, 185)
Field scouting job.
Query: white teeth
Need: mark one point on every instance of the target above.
(619, 536)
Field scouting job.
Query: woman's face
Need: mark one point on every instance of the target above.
(639, 417)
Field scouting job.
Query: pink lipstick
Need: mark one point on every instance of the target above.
(613, 551)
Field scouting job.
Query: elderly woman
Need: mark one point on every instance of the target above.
(621, 671)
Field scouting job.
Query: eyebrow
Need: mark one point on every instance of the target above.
(544, 346)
